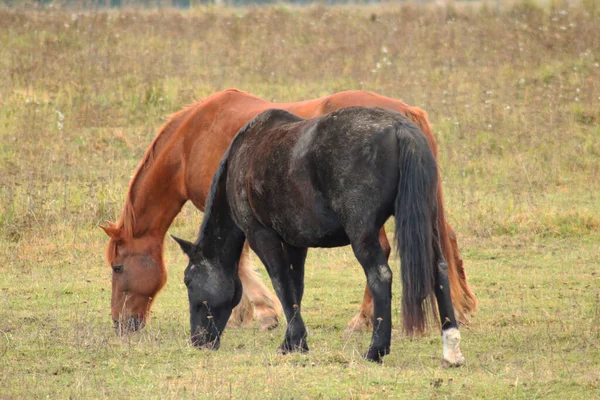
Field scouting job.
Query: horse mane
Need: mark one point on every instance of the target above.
(126, 222)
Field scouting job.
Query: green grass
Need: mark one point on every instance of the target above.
(513, 95)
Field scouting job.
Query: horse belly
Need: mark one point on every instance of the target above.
(325, 232)
(307, 221)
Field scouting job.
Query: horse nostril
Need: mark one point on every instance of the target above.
(135, 324)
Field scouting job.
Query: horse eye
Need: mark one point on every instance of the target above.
(117, 269)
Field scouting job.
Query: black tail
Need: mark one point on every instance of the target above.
(415, 212)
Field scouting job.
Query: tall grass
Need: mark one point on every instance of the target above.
(513, 94)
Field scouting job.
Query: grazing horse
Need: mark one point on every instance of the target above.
(286, 184)
(179, 166)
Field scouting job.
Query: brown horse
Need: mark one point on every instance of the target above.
(179, 166)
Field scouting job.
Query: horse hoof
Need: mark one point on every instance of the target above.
(453, 364)
(359, 323)
(451, 356)
(376, 355)
(376, 358)
(233, 323)
(463, 318)
(286, 348)
(268, 323)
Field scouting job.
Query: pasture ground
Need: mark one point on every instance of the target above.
(513, 94)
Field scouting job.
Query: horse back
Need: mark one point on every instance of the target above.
(364, 98)
(298, 176)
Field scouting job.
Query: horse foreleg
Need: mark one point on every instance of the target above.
(285, 265)
(256, 298)
(363, 320)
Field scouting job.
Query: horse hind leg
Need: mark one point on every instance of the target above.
(256, 298)
(296, 258)
(243, 313)
(364, 319)
(465, 302)
(371, 256)
(451, 355)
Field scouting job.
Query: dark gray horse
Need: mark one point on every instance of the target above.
(287, 184)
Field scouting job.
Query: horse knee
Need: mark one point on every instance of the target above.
(385, 273)
(443, 268)
(380, 279)
(442, 273)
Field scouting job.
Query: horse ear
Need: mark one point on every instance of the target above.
(112, 231)
(184, 244)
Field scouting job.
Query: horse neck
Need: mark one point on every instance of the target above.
(220, 238)
(157, 192)
(153, 206)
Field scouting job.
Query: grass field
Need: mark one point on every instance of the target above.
(513, 94)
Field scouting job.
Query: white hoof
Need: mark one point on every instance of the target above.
(452, 357)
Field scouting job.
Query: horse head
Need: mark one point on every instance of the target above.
(138, 273)
(212, 294)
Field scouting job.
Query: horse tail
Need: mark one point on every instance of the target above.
(463, 299)
(415, 215)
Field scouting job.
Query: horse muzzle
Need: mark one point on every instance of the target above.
(203, 340)
(130, 325)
